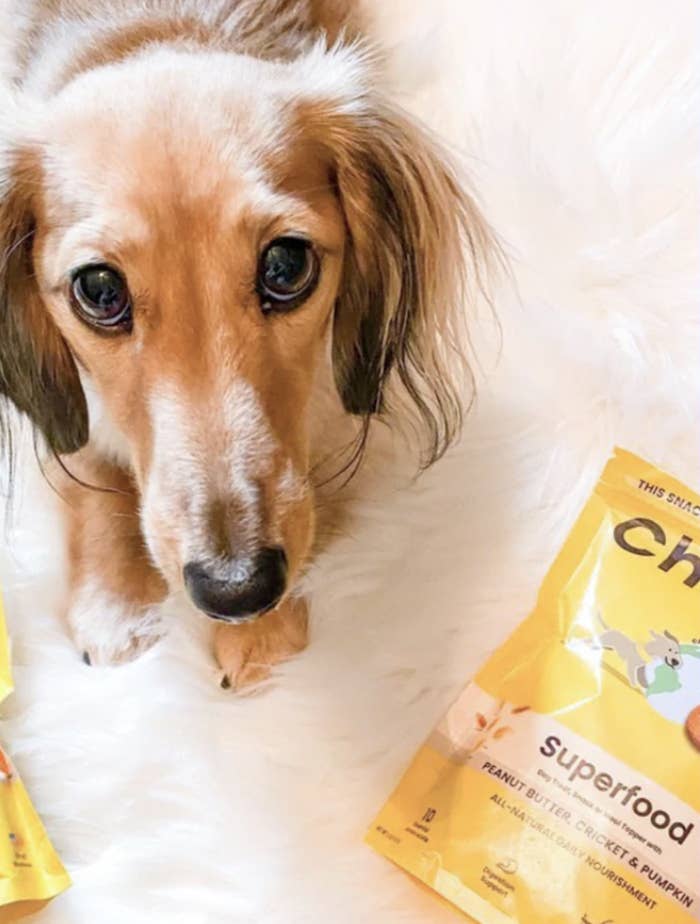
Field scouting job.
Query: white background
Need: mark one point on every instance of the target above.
(172, 801)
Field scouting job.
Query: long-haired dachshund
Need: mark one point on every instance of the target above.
(219, 246)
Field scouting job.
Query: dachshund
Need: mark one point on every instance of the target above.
(221, 248)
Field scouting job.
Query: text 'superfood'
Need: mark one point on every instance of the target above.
(564, 783)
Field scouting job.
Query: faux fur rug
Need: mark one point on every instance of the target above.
(172, 801)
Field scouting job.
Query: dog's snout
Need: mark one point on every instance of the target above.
(242, 588)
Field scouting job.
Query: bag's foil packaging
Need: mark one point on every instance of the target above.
(30, 870)
(564, 784)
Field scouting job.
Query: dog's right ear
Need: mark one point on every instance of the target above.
(37, 371)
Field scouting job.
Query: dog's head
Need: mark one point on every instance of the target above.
(665, 646)
(188, 241)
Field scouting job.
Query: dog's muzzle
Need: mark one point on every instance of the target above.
(254, 585)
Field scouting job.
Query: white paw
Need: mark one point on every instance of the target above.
(108, 629)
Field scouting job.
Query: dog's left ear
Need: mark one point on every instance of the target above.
(37, 371)
(416, 246)
(671, 637)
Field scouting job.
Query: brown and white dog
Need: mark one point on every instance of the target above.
(212, 225)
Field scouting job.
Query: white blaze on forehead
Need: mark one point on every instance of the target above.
(202, 456)
(292, 487)
(250, 443)
(176, 473)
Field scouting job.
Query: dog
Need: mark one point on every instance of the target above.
(665, 647)
(224, 253)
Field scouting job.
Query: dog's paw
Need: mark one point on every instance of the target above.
(108, 629)
(247, 652)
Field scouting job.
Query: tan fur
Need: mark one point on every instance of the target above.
(37, 368)
(247, 653)
(105, 543)
(191, 163)
(203, 293)
(264, 28)
(397, 188)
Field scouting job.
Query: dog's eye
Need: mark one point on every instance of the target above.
(287, 274)
(101, 296)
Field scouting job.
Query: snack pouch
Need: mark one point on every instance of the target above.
(30, 870)
(564, 783)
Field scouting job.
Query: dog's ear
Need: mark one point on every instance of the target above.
(37, 371)
(671, 637)
(416, 244)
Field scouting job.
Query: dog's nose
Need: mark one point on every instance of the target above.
(251, 585)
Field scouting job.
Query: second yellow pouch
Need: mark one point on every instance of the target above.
(30, 870)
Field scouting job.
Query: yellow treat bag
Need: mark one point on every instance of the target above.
(564, 784)
(30, 870)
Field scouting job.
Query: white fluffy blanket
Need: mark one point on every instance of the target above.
(172, 801)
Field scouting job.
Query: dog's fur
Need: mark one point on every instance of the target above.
(173, 139)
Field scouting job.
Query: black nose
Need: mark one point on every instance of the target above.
(252, 585)
(675, 662)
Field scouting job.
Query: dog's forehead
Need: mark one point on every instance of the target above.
(180, 147)
(170, 131)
